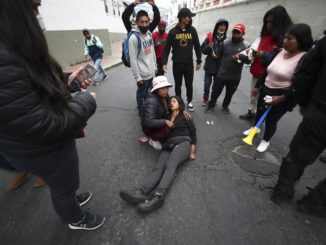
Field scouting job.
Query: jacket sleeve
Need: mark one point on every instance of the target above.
(205, 48)
(156, 19)
(98, 42)
(85, 48)
(27, 114)
(133, 54)
(308, 70)
(149, 118)
(126, 16)
(167, 47)
(192, 131)
(197, 47)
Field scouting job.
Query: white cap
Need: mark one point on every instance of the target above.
(160, 82)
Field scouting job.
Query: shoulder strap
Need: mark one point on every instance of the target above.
(138, 40)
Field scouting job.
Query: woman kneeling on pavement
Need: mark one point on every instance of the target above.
(179, 146)
(275, 85)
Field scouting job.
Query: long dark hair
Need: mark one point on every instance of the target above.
(281, 22)
(23, 36)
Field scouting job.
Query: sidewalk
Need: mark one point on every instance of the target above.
(107, 61)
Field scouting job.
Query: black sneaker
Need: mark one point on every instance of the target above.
(248, 116)
(88, 222)
(133, 196)
(105, 77)
(96, 83)
(278, 196)
(209, 109)
(155, 201)
(226, 110)
(83, 198)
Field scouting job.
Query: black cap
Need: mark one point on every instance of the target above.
(184, 12)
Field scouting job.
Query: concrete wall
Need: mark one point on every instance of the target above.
(251, 13)
(67, 47)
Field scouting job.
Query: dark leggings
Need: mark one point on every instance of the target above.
(275, 113)
(60, 171)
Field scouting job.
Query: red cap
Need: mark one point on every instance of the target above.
(240, 27)
(162, 23)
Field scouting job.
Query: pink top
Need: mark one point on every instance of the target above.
(280, 71)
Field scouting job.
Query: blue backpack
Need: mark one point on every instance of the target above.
(125, 48)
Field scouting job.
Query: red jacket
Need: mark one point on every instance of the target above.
(159, 43)
(266, 44)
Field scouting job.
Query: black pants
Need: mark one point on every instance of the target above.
(160, 71)
(162, 175)
(307, 144)
(275, 113)
(230, 86)
(60, 171)
(185, 70)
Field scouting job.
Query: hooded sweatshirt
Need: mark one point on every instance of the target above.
(143, 65)
(211, 64)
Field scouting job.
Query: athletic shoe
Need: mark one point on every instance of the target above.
(84, 197)
(156, 144)
(39, 182)
(205, 101)
(105, 77)
(155, 201)
(190, 106)
(96, 83)
(248, 131)
(133, 196)
(19, 179)
(263, 146)
(281, 194)
(88, 222)
(209, 109)
(248, 116)
(226, 110)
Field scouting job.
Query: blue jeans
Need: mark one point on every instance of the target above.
(142, 92)
(100, 73)
(207, 83)
(60, 171)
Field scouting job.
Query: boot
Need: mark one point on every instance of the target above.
(282, 193)
(249, 116)
(39, 182)
(133, 196)
(155, 201)
(18, 180)
(315, 202)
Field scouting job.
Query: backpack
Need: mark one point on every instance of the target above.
(125, 48)
(102, 50)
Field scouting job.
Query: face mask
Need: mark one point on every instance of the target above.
(236, 40)
(143, 29)
(161, 32)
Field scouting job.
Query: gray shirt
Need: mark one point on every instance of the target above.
(231, 69)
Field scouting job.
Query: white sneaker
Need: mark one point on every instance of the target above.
(263, 146)
(156, 144)
(190, 106)
(247, 132)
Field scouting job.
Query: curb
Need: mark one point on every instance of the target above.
(112, 65)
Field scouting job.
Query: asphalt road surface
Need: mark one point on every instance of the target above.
(211, 201)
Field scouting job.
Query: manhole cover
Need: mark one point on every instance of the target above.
(262, 164)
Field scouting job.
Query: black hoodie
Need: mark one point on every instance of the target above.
(211, 64)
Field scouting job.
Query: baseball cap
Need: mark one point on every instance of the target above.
(240, 27)
(184, 12)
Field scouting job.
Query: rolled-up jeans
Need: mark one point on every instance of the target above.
(60, 171)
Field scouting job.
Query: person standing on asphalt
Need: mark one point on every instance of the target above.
(94, 49)
(277, 81)
(129, 10)
(276, 22)
(143, 61)
(211, 47)
(183, 38)
(38, 135)
(159, 38)
(179, 146)
(309, 89)
(229, 73)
